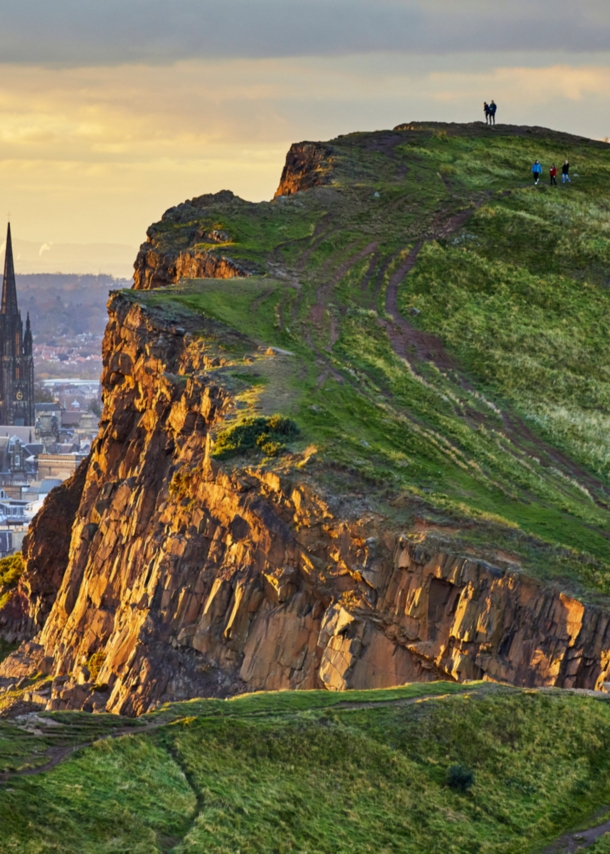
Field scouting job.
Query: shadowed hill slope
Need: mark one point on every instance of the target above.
(417, 770)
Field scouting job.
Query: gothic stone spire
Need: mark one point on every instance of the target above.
(9, 289)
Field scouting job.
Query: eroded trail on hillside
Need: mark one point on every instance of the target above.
(406, 339)
(580, 840)
(413, 344)
(56, 755)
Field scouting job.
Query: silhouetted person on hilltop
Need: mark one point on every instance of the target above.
(492, 113)
(487, 112)
(565, 173)
(537, 171)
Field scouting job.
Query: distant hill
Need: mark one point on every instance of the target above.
(68, 314)
(64, 304)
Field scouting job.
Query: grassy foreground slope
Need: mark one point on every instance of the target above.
(312, 772)
(445, 324)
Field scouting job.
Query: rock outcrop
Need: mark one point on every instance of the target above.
(15, 622)
(308, 164)
(155, 271)
(157, 265)
(158, 574)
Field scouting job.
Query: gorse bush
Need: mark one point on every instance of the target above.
(11, 569)
(256, 432)
(95, 663)
(460, 778)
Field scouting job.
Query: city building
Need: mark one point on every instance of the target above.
(13, 511)
(16, 359)
(60, 466)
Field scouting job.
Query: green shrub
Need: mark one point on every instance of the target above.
(460, 778)
(95, 663)
(11, 569)
(268, 434)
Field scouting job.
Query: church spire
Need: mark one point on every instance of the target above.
(27, 338)
(9, 288)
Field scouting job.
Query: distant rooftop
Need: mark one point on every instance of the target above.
(26, 434)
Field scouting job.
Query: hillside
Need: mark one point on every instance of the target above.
(417, 770)
(352, 438)
(448, 324)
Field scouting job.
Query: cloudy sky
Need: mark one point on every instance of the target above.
(111, 112)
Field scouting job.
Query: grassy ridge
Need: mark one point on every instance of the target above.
(505, 448)
(362, 771)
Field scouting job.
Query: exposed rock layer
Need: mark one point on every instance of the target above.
(158, 266)
(155, 271)
(156, 574)
(308, 164)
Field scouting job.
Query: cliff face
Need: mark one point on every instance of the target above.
(174, 577)
(349, 555)
(159, 264)
(308, 165)
(156, 271)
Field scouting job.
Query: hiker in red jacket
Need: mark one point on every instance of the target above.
(553, 174)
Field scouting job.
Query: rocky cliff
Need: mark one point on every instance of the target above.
(164, 570)
(182, 578)
(200, 254)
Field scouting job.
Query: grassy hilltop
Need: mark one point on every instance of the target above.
(477, 769)
(446, 324)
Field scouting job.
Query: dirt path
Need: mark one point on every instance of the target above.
(404, 701)
(409, 343)
(406, 340)
(318, 310)
(58, 754)
(574, 841)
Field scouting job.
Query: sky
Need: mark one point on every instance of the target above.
(112, 112)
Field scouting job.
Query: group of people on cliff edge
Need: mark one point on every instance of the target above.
(490, 112)
(565, 173)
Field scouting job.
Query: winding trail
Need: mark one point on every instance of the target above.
(59, 754)
(411, 344)
(577, 840)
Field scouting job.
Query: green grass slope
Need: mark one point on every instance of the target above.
(312, 772)
(445, 323)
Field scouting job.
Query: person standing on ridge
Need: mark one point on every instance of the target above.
(565, 173)
(487, 112)
(553, 174)
(537, 171)
(492, 112)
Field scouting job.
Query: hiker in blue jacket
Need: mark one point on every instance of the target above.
(492, 113)
(537, 171)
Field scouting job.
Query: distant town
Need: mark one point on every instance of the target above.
(50, 395)
(35, 459)
(68, 315)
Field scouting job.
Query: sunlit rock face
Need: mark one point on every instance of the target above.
(160, 572)
(147, 585)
